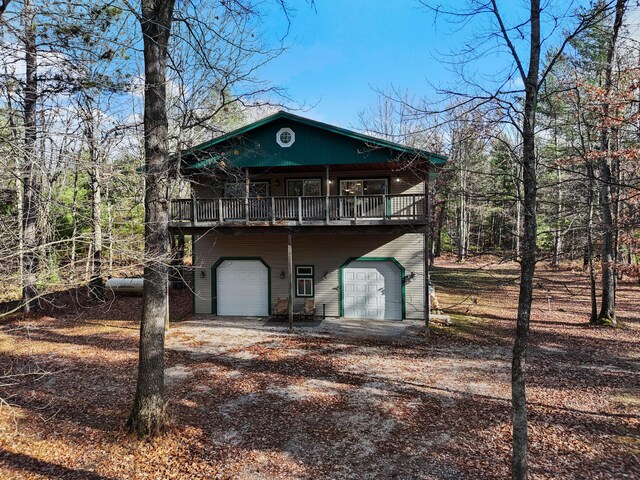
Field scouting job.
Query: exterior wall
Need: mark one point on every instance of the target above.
(325, 252)
(401, 182)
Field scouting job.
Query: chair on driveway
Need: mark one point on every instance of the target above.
(281, 310)
(308, 309)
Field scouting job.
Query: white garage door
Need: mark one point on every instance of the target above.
(372, 289)
(242, 288)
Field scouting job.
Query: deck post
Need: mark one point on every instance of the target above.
(385, 211)
(194, 209)
(290, 268)
(355, 209)
(425, 253)
(247, 186)
(326, 199)
(273, 210)
(299, 209)
(220, 212)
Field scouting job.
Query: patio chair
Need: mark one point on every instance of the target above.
(281, 310)
(308, 309)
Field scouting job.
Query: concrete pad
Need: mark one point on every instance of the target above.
(206, 325)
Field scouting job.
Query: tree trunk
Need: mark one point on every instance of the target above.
(520, 462)
(438, 236)
(518, 214)
(589, 247)
(147, 415)
(19, 194)
(607, 315)
(31, 184)
(109, 233)
(96, 285)
(74, 223)
(463, 231)
(557, 238)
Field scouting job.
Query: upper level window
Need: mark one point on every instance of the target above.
(367, 186)
(285, 137)
(304, 187)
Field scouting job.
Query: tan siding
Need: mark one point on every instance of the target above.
(202, 190)
(399, 182)
(325, 253)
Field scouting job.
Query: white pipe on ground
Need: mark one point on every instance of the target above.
(125, 285)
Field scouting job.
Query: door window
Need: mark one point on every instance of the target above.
(376, 186)
(304, 187)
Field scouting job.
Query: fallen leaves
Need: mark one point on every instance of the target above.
(257, 403)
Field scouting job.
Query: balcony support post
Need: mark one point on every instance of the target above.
(386, 213)
(273, 210)
(355, 210)
(194, 209)
(299, 209)
(291, 286)
(220, 212)
(247, 186)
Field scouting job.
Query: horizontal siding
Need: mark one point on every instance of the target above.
(325, 253)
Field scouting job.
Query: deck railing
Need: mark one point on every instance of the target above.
(405, 207)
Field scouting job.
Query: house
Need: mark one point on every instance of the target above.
(288, 207)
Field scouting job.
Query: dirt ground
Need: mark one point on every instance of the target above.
(247, 400)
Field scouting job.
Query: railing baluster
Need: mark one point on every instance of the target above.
(409, 207)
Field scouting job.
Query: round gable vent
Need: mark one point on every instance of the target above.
(285, 137)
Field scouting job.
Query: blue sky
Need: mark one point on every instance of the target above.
(339, 51)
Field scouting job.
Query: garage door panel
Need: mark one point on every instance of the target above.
(242, 288)
(372, 289)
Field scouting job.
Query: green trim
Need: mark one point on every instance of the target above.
(312, 277)
(214, 291)
(435, 159)
(371, 259)
(193, 273)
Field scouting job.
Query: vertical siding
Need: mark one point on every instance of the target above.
(325, 252)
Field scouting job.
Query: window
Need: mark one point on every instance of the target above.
(304, 187)
(377, 186)
(237, 190)
(285, 137)
(304, 281)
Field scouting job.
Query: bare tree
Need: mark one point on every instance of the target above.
(524, 43)
(607, 313)
(30, 174)
(147, 415)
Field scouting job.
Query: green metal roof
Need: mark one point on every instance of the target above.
(316, 143)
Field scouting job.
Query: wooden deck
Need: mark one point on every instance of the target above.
(407, 209)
